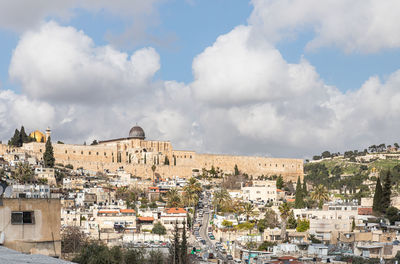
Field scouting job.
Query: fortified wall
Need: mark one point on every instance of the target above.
(137, 156)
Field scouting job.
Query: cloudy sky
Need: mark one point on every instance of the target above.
(283, 78)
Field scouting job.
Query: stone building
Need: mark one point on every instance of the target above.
(137, 155)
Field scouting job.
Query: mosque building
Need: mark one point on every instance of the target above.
(137, 155)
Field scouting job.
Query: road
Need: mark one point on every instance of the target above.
(204, 234)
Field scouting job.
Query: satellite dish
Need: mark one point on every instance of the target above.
(8, 192)
(3, 186)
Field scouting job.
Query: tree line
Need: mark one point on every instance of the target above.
(354, 153)
(20, 137)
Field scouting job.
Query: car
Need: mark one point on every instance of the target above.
(211, 255)
(203, 241)
(229, 257)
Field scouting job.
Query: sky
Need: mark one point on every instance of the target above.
(280, 78)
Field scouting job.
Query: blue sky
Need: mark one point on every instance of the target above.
(195, 25)
(208, 75)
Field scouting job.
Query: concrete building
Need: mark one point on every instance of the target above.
(261, 191)
(31, 225)
(46, 173)
(171, 216)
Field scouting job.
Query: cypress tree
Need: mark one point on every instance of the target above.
(377, 206)
(24, 138)
(15, 139)
(305, 193)
(236, 170)
(386, 192)
(184, 246)
(48, 155)
(299, 202)
(174, 249)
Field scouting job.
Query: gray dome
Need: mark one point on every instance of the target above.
(137, 132)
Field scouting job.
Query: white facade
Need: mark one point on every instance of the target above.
(261, 191)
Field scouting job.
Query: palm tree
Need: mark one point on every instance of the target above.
(192, 191)
(23, 172)
(194, 186)
(221, 198)
(174, 198)
(320, 193)
(248, 210)
(285, 210)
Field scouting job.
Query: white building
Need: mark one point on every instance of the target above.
(261, 191)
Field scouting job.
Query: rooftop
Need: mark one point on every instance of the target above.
(10, 256)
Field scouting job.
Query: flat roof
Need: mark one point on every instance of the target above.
(10, 256)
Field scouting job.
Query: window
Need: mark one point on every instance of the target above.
(82, 152)
(19, 218)
(66, 152)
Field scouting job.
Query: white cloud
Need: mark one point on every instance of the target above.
(62, 64)
(352, 25)
(25, 14)
(236, 71)
(245, 98)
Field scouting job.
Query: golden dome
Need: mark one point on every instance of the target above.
(39, 136)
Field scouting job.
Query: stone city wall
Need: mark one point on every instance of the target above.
(129, 154)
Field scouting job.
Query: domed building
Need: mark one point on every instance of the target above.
(38, 136)
(137, 132)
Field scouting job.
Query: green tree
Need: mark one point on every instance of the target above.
(279, 182)
(377, 205)
(93, 253)
(299, 201)
(303, 225)
(159, 229)
(270, 220)
(221, 199)
(320, 193)
(173, 198)
(23, 137)
(326, 154)
(227, 223)
(248, 210)
(48, 155)
(184, 247)
(305, 192)
(155, 257)
(392, 214)
(236, 170)
(23, 173)
(174, 249)
(291, 222)
(14, 141)
(386, 191)
(133, 256)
